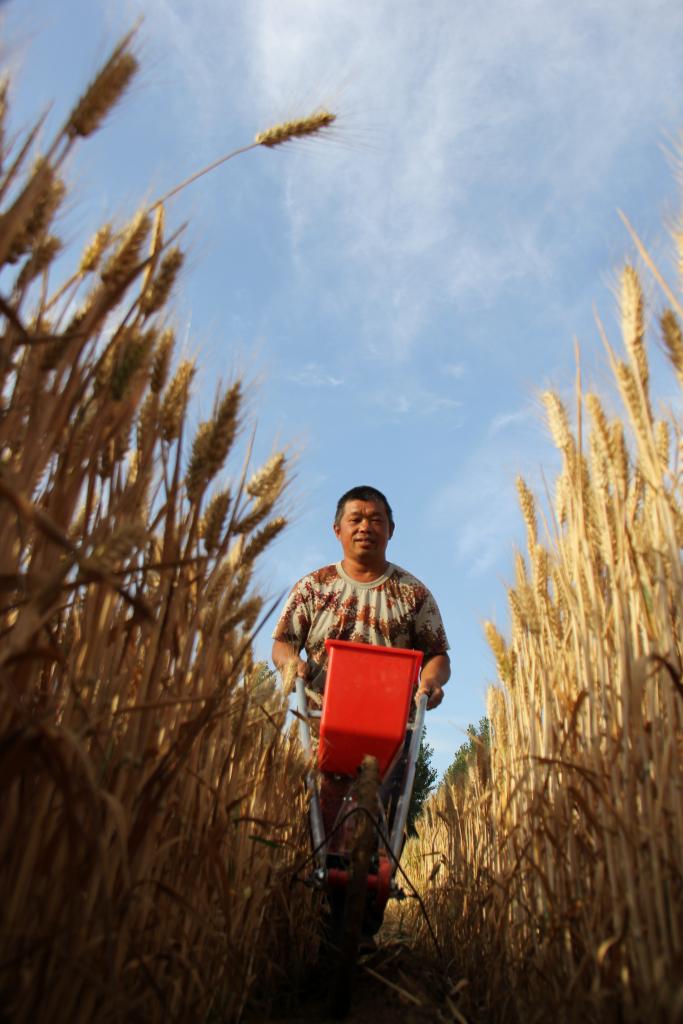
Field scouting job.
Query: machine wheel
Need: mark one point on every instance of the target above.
(364, 843)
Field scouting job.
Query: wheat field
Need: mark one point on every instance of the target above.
(151, 791)
(554, 875)
(153, 811)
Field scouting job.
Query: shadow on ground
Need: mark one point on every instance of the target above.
(394, 982)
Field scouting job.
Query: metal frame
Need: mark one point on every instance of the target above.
(316, 814)
(396, 837)
(304, 714)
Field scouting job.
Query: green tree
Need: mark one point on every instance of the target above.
(425, 780)
(478, 741)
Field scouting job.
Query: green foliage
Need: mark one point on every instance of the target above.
(466, 754)
(425, 780)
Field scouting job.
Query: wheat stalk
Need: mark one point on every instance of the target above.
(300, 128)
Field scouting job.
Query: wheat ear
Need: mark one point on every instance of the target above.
(300, 128)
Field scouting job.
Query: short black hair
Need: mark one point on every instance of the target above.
(362, 493)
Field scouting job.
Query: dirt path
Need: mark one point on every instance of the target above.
(394, 983)
(390, 986)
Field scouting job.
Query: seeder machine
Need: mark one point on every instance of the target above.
(360, 796)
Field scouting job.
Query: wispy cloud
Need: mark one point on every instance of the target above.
(191, 49)
(478, 508)
(312, 375)
(409, 400)
(533, 104)
(503, 421)
(465, 107)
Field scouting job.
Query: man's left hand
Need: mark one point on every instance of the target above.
(435, 674)
(435, 694)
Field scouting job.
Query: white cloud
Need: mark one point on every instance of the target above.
(312, 375)
(478, 508)
(192, 49)
(503, 421)
(535, 99)
(486, 125)
(408, 399)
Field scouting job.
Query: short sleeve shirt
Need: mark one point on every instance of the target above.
(395, 610)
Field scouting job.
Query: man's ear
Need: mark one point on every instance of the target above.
(392, 527)
(336, 529)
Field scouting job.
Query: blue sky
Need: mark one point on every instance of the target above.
(398, 293)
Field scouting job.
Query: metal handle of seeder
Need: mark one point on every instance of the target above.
(317, 829)
(396, 838)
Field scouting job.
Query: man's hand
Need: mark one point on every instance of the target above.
(435, 695)
(435, 674)
(301, 668)
(287, 661)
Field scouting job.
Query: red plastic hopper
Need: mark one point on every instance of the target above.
(366, 704)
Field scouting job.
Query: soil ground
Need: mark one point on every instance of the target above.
(395, 982)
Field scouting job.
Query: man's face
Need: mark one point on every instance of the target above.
(364, 530)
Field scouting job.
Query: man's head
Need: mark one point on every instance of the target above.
(364, 524)
(363, 493)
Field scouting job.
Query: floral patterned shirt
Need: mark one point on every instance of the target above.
(395, 610)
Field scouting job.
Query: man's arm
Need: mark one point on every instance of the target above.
(284, 655)
(435, 674)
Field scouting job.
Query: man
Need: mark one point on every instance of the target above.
(363, 598)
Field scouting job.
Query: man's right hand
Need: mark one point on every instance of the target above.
(287, 661)
(293, 669)
(303, 668)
